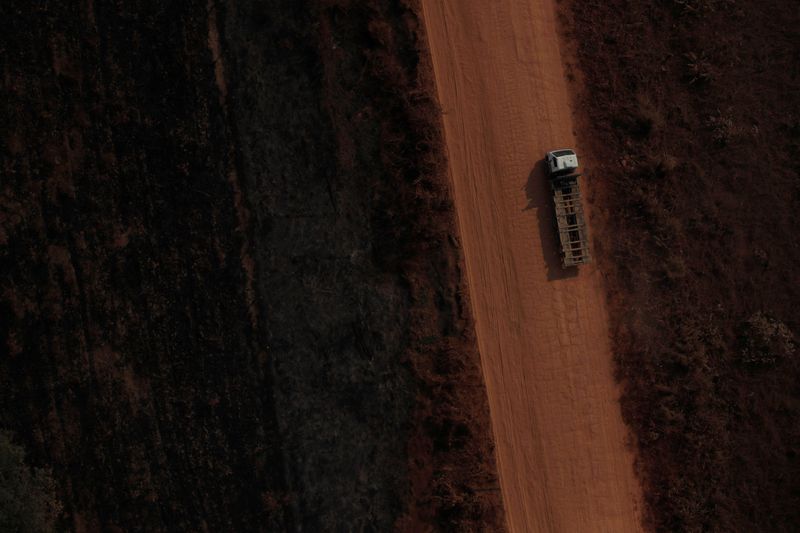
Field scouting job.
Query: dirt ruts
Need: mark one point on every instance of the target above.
(543, 331)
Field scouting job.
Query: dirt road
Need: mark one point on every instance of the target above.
(542, 333)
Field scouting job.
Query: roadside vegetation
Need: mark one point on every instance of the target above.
(690, 111)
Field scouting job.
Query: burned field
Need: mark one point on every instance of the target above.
(232, 297)
(691, 113)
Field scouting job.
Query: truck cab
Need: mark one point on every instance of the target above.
(561, 161)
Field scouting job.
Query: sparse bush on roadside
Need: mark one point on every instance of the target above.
(658, 165)
(649, 113)
(700, 69)
(690, 7)
(723, 129)
(765, 340)
(675, 268)
(761, 256)
(634, 122)
(701, 7)
(27, 495)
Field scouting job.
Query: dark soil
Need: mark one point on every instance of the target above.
(231, 294)
(690, 112)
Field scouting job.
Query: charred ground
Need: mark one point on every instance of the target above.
(691, 113)
(231, 294)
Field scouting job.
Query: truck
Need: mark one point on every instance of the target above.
(570, 223)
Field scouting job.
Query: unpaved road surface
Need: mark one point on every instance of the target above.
(543, 333)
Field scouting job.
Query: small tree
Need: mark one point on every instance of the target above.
(27, 495)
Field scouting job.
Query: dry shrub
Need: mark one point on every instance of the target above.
(649, 112)
(765, 340)
(28, 502)
(699, 67)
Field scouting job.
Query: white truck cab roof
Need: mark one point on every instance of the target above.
(561, 160)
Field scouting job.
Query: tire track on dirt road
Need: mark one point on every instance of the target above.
(542, 332)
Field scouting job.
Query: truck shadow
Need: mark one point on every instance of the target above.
(537, 191)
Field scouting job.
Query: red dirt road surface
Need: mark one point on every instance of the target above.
(542, 333)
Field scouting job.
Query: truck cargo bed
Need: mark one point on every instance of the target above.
(570, 221)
